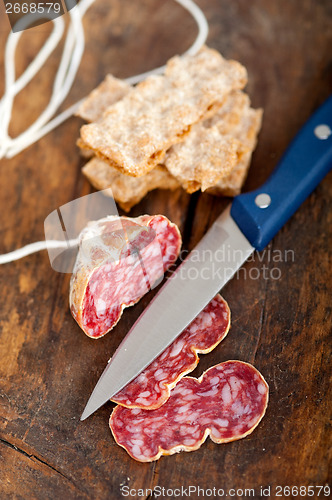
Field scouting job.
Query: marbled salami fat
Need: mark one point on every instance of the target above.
(152, 387)
(226, 403)
(118, 261)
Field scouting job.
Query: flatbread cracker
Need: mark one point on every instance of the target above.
(231, 185)
(85, 152)
(135, 132)
(126, 190)
(245, 130)
(109, 91)
(217, 151)
(229, 115)
(203, 158)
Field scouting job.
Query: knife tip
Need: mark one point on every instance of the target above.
(85, 414)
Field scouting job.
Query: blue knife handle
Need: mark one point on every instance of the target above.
(304, 164)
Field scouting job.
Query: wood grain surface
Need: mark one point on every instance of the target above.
(48, 367)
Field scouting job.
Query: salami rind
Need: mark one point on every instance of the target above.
(226, 403)
(152, 387)
(118, 261)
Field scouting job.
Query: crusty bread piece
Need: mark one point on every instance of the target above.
(216, 154)
(109, 91)
(203, 158)
(213, 154)
(243, 123)
(134, 133)
(127, 190)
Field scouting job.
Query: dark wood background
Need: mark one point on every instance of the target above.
(48, 367)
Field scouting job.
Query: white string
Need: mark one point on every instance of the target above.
(71, 58)
(70, 61)
(36, 247)
(68, 67)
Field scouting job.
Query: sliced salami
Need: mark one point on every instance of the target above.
(152, 387)
(226, 403)
(119, 260)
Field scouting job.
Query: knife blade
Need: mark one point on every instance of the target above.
(248, 224)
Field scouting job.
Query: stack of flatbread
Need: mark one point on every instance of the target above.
(191, 127)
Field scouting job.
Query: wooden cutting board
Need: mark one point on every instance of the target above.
(280, 319)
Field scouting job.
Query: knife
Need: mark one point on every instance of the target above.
(248, 224)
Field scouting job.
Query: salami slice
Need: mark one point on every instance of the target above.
(226, 403)
(118, 261)
(152, 387)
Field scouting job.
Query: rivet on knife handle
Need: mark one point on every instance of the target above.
(304, 164)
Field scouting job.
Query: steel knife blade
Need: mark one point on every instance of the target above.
(248, 224)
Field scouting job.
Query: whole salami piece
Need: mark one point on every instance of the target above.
(119, 260)
(226, 403)
(152, 387)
